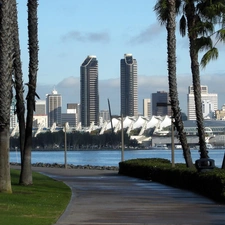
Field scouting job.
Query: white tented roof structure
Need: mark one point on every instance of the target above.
(127, 122)
(165, 123)
(153, 122)
(139, 122)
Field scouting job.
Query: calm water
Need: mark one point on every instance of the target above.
(111, 158)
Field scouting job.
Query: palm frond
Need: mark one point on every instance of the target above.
(220, 35)
(203, 43)
(161, 10)
(212, 54)
(183, 26)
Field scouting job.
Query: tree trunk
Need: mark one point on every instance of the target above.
(6, 61)
(171, 48)
(5, 179)
(198, 100)
(190, 14)
(26, 170)
(18, 75)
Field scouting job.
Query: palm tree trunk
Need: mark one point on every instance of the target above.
(20, 108)
(26, 170)
(198, 101)
(190, 14)
(6, 62)
(171, 48)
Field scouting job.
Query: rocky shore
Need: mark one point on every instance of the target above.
(70, 166)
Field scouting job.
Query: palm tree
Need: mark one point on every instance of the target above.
(199, 19)
(26, 171)
(166, 11)
(6, 65)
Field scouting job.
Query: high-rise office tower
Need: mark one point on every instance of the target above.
(89, 96)
(147, 107)
(161, 104)
(40, 107)
(205, 96)
(128, 86)
(54, 108)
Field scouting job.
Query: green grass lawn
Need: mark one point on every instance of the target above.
(39, 204)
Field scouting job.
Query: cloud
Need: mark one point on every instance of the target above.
(69, 82)
(147, 35)
(103, 37)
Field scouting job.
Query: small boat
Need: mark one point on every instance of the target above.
(160, 146)
(178, 146)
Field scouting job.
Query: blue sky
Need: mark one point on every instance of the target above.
(69, 30)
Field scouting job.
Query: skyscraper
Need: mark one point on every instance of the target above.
(128, 86)
(89, 96)
(147, 107)
(163, 98)
(205, 96)
(54, 108)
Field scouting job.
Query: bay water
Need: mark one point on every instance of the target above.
(111, 157)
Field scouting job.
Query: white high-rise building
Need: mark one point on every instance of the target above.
(209, 97)
(208, 109)
(54, 108)
(147, 107)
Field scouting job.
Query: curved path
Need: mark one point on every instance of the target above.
(104, 197)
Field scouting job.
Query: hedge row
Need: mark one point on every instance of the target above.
(209, 183)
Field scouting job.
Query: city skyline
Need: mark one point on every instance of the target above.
(64, 43)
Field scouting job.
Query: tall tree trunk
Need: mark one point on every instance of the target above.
(190, 14)
(198, 100)
(20, 108)
(6, 62)
(171, 48)
(26, 170)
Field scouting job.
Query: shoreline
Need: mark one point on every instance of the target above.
(69, 166)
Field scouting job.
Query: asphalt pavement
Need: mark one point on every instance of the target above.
(105, 197)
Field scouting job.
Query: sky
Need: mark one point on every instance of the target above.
(70, 30)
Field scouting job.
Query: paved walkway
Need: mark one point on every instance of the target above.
(104, 197)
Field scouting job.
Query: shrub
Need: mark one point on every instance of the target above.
(209, 183)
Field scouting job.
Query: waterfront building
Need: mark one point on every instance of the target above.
(89, 95)
(72, 115)
(211, 98)
(54, 108)
(128, 86)
(69, 118)
(220, 114)
(147, 107)
(161, 104)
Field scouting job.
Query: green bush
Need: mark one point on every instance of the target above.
(209, 183)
